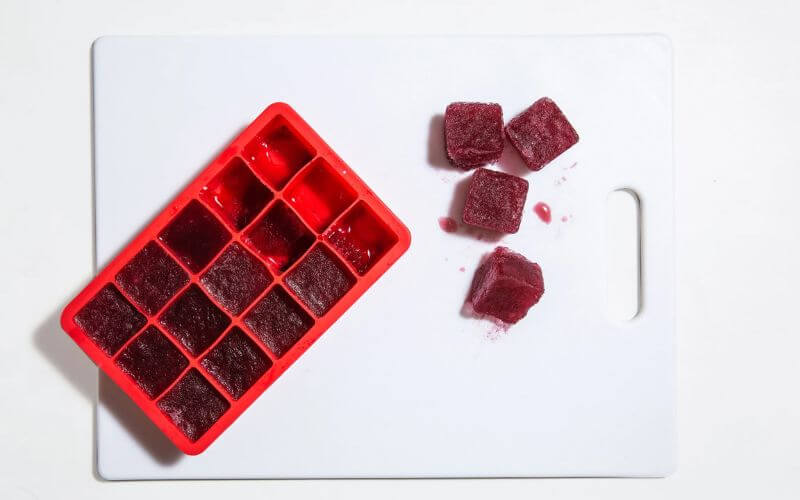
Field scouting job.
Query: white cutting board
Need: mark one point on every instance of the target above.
(403, 385)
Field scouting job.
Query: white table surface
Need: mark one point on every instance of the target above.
(736, 83)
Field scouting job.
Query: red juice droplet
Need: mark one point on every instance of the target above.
(564, 218)
(543, 211)
(461, 269)
(448, 224)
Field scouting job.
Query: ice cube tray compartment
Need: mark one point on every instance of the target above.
(320, 195)
(231, 283)
(280, 237)
(277, 153)
(236, 194)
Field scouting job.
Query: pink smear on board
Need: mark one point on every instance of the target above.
(564, 218)
(461, 269)
(542, 209)
(448, 224)
(496, 328)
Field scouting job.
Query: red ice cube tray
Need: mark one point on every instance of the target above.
(208, 305)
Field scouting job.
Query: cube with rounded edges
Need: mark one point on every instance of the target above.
(505, 286)
(473, 133)
(541, 133)
(495, 201)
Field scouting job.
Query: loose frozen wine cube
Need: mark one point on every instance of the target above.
(236, 362)
(505, 286)
(194, 320)
(320, 280)
(109, 320)
(195, 236)
(152, 361)
(495, 201)
(541, 133)
(280, 237)
(151, 278)
(193, 405)
(278, 321)
(236, 279)
(473, 133)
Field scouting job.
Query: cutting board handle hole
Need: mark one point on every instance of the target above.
(623, 255)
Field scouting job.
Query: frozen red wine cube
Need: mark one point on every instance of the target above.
(151, 278)
(278, 321)
(195, 236)
(152, 361)
(194, 320)
(541, 133)
(473, 133)
(320, 280)
(236, 362)
(193, 405)
(505, 286)
(109, 320)
(495, 201)
(236, 279)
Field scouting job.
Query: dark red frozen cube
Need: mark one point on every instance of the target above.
(495, 201)
(194, 320)
(320, 280)
(473, 133)
(236, 279)
(151, 278)
(278, 321)
(193, 405)
(195, 236)
(236, 362)
(152, 361)
(541, 133)
(109, 319)
(505, 286)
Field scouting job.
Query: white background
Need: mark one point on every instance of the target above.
(737, 77)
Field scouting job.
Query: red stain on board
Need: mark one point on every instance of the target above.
(461, 269)
(448, 224)
(496, 329)
(542, 209)
(564, 218)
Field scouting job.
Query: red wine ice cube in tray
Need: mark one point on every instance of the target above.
(231, 283)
